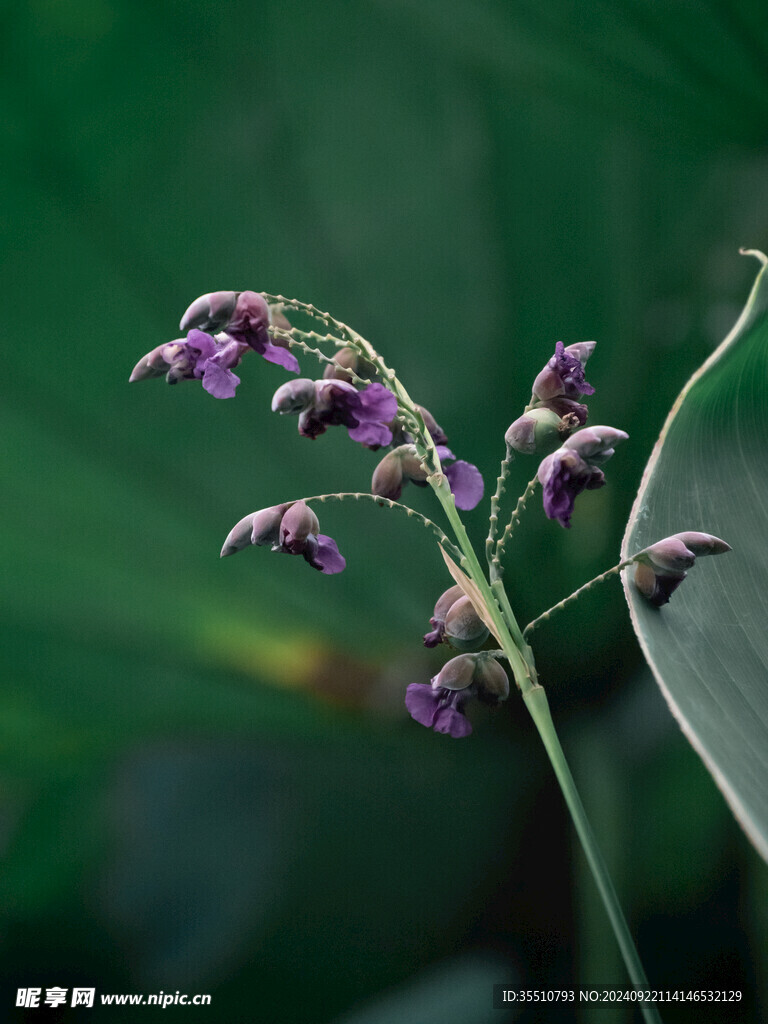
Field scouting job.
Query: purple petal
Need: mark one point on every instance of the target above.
(466, 482)
(372, 435)
(326, 556)
(445, 454)
(571, 371)
(377, 403)
(452, 723)
(422, 703)
(435, 635)
(281, 356)
(204, 343)
(218, 381)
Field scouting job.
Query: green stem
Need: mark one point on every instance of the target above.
(537, 704)
(513, 521)
(310, 310)
(576, 594)
(495, 500)
(506, 628)
(442, 539)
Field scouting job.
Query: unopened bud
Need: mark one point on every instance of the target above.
(537, 432)
(703, 543)
(456, 674)
(436, 431)
(464, 629)
(582, 350)
(595, 444)
(210, 312)
(296, 526)
(446, 599)
(260, 528)
(150, 365)
(387, 479)
(661, 568)
(437, 622)
(491, 680)
(294, 396)
(413, 467)
(349, 359)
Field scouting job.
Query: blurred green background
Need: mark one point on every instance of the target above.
(208, 782)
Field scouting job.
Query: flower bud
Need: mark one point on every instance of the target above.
(387, 479)
(455, 674)
(210, 312)
(436, 431)
(349, 359)
(266, 525)
(661, 568)
(595, 444)
(448, 598)
(259, 528)
(294, 396)
(239, 536)
(296, 526)
(491, 681)
(151, 365)
(703, 543)
(413, 467)
(581, 350)
(537, 432)
(464, 629)
(657, 588)
(437, 622)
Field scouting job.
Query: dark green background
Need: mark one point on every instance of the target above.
(207, 779)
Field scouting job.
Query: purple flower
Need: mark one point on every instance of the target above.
(662, 567)
(199, 357)
(328, 403)
(440, 705)
(573, 468)
(292, 528)
(438, 709)
(563, 476)
(402, 465)
(245, 316)
(563, 376)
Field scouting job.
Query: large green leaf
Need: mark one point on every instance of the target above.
(709, 647)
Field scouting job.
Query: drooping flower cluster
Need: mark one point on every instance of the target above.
(662, 567)
(211, 358)
(439, 705)
(292, 528)
(245, 317)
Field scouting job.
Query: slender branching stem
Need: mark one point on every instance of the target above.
(505, 627)
(495, 500)
(442, 539)
(310, 310)
(300, 339)
(576, 594)
(513, 521)
(537, 704)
